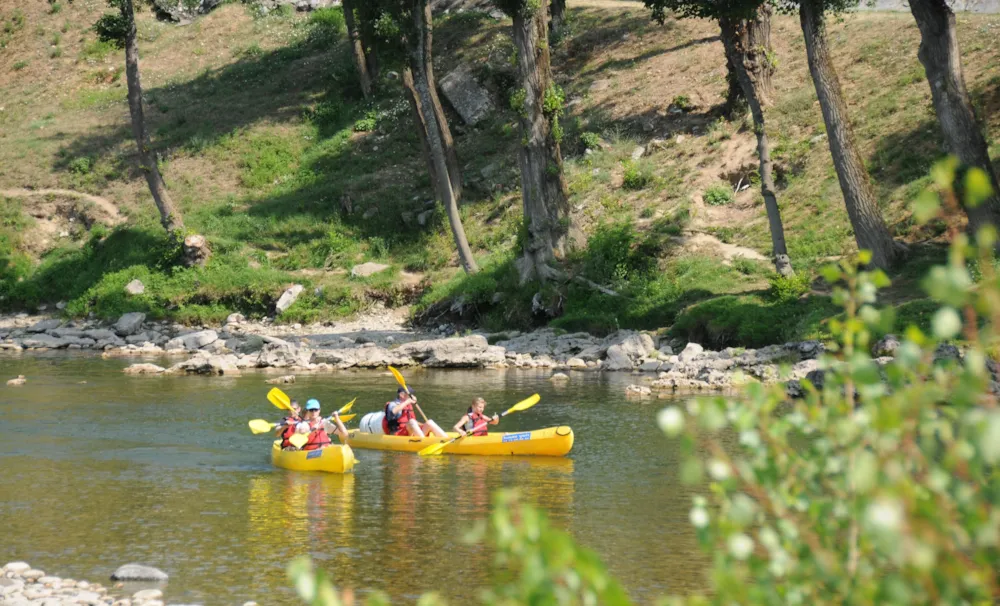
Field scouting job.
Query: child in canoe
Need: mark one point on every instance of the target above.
(317, 426)
(399, 419)
(286, 428)
(474, 422)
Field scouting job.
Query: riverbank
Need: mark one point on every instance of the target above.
(23, 585)
(382, 339)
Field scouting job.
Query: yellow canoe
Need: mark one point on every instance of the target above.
(336, 458)
(551, 441)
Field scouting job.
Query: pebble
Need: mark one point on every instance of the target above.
(32, 575)
(147, 594)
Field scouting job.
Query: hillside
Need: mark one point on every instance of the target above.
(270, 153)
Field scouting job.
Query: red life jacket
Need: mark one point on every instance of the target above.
(288, 431)
(318, 438)
(396, 425)
(476, 425)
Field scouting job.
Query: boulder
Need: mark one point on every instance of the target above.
(135, 287)
(184, 10)
(100, 334)
(559, 377)
(144, 369)
(886, 346)
(197, 340)
(282, 380)
(69, 332)
(466, 95)
(10, 347)
(16, 567)
(690, 352)
(282, 354)
(17, 381)
(147, 594)
(45, 325)
(205, 364)
(236, 318)
(457, 352)
(138, 338)
(43, 341)
(129, 324)
(288, 298)
(252, 344)
(368, 269)
(627, 349)
(637, 390)
(576, 364)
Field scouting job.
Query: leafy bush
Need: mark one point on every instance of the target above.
(718, 195)
(327, 26)
(752, 321)
(368, 123)
(590, 140)
(785, 290)
(682, 102)
(636, 176)
(81, 166)
(18, 66)
(55, 8)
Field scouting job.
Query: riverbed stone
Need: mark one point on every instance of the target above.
(130, 323)
(197, 340)
(43, 341)
(45, 325)
(576, 364)
(33, 574)
(282, 380)
(147, 594)
(559, 377)
(137, 338)
(368, 269)
(138, 572)
(101, 334)
(287, 298)
(135, 287)
(16, 567)
(143, 369)
(690, 352)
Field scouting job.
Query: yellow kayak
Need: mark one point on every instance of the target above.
(551, 441)
(336, 458)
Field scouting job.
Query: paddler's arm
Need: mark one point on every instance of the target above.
(460, 426)
(340, 429)
(495, 420)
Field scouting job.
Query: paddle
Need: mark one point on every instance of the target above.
(402, 383)
(262, 426)
(435, 449)
(299, 440)
(279, 399)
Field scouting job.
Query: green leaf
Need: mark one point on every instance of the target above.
(977, 187)
(926, 206)
(946, 323)
(864, 473)
(989, 442)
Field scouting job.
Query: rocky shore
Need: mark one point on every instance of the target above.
(382, 340)
(22, 585)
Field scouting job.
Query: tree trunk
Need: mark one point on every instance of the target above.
(870, 230)
(169, 216)
(942, 60)
(411, 95)
(734, 90)
(420, 81)
(557, 11)
(357, 49)
(543, 186)
(747, 44)
(368, 14)
(451, 156)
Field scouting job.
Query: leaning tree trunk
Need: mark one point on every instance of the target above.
(963, 135)
(169, 216)
(451, 156)
(543, 186)
(368, 14)
(870, 230)
(557, 10)
(357, 49)
(747, 44)
(422, 99)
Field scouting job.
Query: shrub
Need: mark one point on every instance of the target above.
(636, 176)
(590, 140)
(368, 123)
(81, 166)
(718, 195)
(20, 65)
(327, 26)
(55, 8)
(682, 102)
(784, 290)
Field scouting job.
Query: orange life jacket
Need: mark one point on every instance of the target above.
(288, 431)
(476, 424)
(391, 425)
(318, 438)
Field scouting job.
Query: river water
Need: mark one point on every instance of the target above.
(98, 469)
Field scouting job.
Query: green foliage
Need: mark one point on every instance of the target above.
(880, 485)
(97, 50)
(55, 8)
(267, 160)
(368, 123)
(19, 65)
(786, 290)
(636, 176)
(590, 140)
(517, 100)
(682, 102)
(80, 166)
(112, 29)
(327, 26)
(718, 195)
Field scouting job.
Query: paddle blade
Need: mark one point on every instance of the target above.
(279, 399)
(347, 407)
(399, 378)
(298, 440)
(260, 426)
(346, 418)
(434, 449)
(524, 404)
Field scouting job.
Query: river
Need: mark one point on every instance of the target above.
(100, 469)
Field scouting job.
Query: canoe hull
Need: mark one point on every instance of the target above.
(336, 458)
(551, 441)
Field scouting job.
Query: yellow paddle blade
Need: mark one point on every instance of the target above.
(346, 418)
(434, 449)
(260, 426)
(279, 399)
(399, 378)
(299, 440)
(524, 404)
(347, 407)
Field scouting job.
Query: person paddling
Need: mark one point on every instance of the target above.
(474, 422)
(286, 428)
(316, 425)
(399, 419)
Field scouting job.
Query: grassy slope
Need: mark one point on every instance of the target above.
(256, 120)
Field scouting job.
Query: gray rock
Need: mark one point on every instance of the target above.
(135, 287)
(45, 325)
(197, 340)
(43, 341)
(100, 334)
(144, 369)
(886, 346)
(138, 572)
(282, 354)
(236, 318)
(576, 363)
(466, 95)
(147, 594)
(691, 352)
(16, 567)
(252, 344)
(69, 332)
(559, 377)
(638, 152)
(627, 349)
(368, 269)
(423, 217)
(650, 366)
(288, 298)
(130, 323)
(139, 338)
